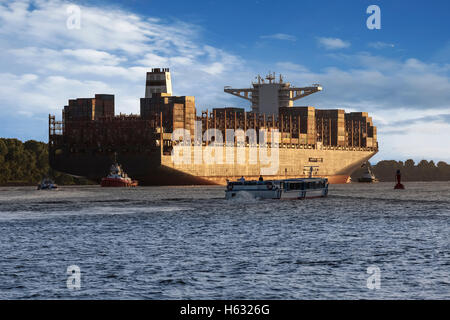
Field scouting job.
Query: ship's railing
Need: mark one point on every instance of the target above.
(55, 127)
(170, 143)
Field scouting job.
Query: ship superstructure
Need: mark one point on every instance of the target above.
(267, 94)
(331, 141)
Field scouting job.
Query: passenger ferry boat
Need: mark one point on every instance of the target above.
(300, 188)
(118, 178)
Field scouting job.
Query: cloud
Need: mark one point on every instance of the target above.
(380, 45)
(280, 36)
(291, 66)
(94, 56)
(376, 83)
(108, 28)
(441, 118)
(44, 63)
(333, 43)
(406, 98)
(419, 141)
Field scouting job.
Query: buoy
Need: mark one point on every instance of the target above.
(399, 185)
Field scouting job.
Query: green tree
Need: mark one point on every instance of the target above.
(27, 163)
(3, 148)
(409, 163)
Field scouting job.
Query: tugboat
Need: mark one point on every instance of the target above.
(118, 178)
(368, 176)
(47, 184)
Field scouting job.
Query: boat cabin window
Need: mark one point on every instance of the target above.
(294, 186)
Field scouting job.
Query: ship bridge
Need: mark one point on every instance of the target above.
(268, 94)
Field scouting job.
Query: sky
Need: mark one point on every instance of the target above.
(400, 73)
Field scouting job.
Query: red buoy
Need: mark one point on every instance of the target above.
(399, 185)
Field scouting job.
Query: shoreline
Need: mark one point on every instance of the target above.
(18, 184)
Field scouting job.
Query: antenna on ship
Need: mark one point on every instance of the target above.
(270, 77)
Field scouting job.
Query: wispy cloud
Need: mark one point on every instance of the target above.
(442, 117)
(380, 45)
(333, 43)
(280, 36)
(291, 66)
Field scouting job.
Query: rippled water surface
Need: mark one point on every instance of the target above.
(188, 242)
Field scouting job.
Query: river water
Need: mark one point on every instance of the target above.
(190, 243)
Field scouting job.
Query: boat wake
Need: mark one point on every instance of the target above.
(244, 197)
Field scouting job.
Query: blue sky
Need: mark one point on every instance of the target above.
(400, 74)
(237, 26)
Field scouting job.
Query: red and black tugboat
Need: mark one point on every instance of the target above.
(118, 178)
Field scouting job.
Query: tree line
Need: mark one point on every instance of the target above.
(26, 163)
(424, 171)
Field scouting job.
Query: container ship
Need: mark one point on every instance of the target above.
(170, 144)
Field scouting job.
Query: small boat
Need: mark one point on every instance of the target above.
(368, 176)
(300, 188)
(118, 178)
(47, 184)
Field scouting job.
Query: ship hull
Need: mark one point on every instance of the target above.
(336, 164)
(154, 168)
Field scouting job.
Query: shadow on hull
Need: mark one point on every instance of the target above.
(148, 171)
